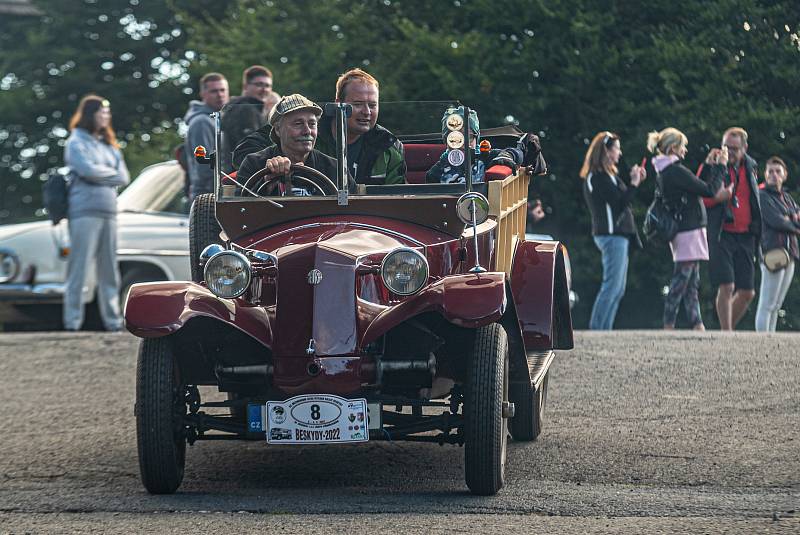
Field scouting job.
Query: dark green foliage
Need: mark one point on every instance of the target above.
(564, 69)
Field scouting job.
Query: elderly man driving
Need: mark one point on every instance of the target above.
(294, 121)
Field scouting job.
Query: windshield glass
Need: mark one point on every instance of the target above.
(159, 188)
(419, 126)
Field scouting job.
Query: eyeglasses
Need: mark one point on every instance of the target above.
(260, 85)
(609, 139)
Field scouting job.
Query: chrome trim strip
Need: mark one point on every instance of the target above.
(150, 252)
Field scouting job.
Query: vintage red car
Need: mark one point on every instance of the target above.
(411, 312)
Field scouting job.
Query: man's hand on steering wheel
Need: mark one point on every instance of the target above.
(278, 165)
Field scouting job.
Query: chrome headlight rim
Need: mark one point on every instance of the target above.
(7, 255)
(414, 252)
(247, 268)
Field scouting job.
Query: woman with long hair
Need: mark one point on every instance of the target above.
(682, 192)
(780, 218)
(613, 227)
(98, 169)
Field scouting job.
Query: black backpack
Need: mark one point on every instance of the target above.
(55, 194)
(661, 221)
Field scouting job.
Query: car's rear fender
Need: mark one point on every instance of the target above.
(161, 308)
(541, 296)
(468, 301)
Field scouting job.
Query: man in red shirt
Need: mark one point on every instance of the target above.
(734, 231)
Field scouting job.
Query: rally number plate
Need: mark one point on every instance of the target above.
(317, 419)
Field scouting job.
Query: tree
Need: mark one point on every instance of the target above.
(131, 54)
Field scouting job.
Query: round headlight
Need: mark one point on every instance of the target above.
(227, 274)
(404, 271)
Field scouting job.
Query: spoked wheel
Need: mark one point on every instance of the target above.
(529, 411)
(160, 408)
(203, 231)
(485, 427)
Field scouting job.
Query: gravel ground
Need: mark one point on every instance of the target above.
(646, 432)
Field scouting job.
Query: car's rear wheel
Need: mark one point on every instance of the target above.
(203, 231)
(529, 411)
(160, 408)
(485, 428)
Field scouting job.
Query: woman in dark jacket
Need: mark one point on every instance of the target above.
(613, 227)
(682, 192)
(780, 216)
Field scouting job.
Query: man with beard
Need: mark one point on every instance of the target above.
(294, 121)
(374, 155)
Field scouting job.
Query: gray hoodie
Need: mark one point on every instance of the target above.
(201, 132)
(100, 168)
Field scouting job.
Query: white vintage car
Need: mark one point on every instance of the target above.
(153, 244)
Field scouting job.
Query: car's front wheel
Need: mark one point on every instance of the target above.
(485, 424)
(204, 230)
(160, 408)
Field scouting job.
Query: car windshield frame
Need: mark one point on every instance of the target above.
(407, 120)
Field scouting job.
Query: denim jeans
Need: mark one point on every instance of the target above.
(614, 251)
(774, 287)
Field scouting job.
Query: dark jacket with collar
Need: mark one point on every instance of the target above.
(779, 230)
(381, 161)
(609, 199)
(716, 213)
(682, 192)
(241, 117)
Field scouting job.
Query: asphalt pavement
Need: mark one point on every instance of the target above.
(646, 432)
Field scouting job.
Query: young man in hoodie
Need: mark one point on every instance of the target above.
(247, 113)
(214, 96)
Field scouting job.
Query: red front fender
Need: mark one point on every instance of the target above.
(160, 308)
(464, 300)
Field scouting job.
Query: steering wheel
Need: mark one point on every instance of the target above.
(317, 180)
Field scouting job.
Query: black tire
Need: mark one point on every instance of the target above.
(485, 429)
(203, 231)
(529, 411)
(160, 407)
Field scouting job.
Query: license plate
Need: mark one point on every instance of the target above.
(317, 419)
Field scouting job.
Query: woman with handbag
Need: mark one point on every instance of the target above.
(98, 168)
(613, 227)
(780, 216)
(681, 192)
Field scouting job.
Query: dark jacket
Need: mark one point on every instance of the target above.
(256, 161)
(682, 192)
(381, 160)
(609, 199)
(778, 229)
(240, 118)
(258, 140)
(716, 213)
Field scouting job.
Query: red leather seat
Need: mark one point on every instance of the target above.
(419, 159)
